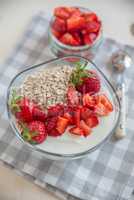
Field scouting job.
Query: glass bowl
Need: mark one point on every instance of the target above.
(58, 148)
(60, 49)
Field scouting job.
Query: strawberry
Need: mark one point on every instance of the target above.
(101, 110)
(105, 101)
(72, 96)
(59, 25)
(92, 121)
(89, 101)
(51, 123)
(38, 114)
(93, 27)
(68, 39)
(77, 36)
(56, 110)
(75, 23)
(77, 117)
(90, 17)
(62, 12)
(54, 133)
(89, 84)
(85, 81)
(34, 133)
(85, 113)
(87, 39)
(76, 131)
(56, 33)
(86, 129)
(68, 116)
(62, 124)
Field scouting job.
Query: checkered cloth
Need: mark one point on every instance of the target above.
(107, 173)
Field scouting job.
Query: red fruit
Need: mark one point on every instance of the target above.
(101, 110)
(56, 110)
(76, 131)
(69, 117)
(51, 124)
(92, 36)
(75, 23)
(62, 124)
(77, 36)
(93, 27)
(90, 84)
(85, 113)
(37, 130)
(68, 39)
(25, 107)
(77, 117)
(76, 12)
(87, 39)
(62, 12)
(89, 17)
(38, 114)
(106, 102)
(92, 121)
(54, 133)
(86, 129)
(56, 33)
(59, 25)
(88, 101)
(72, 96)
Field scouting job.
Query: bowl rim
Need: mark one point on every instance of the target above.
(81, 47)
(56, 155)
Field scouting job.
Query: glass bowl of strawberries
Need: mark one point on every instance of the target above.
(74, 31)
(64, 108)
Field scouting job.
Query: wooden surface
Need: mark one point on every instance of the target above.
(117, 16)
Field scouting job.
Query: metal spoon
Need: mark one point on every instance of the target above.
(121, 61)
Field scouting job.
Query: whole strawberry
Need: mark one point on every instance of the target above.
(89, 85)
(26, 110)
(34, 132)
(85, 81)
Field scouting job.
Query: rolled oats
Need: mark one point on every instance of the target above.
(47, 87)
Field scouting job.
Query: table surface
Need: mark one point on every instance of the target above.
(117, 17)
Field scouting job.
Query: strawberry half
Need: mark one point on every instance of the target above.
(62, 12)
(75, 23)
(77, 117)
(56, 110)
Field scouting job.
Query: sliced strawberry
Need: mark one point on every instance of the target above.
(86, 129)
(106, 102)
(56, 110)
(68, 39)
(69, 117)
(92, 121)
(72, 96)
(56, 33)
(90, 17)
(101, 110)
(62, 12)
(93, 27)
(85, 113)
(76, 12)
(76, 131)
(59, 25)
(88, 101)
(62, 124)
(87, 39)
(77, 36)
(77, 117)
(75, 23)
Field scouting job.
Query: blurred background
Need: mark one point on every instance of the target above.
(117, 17)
